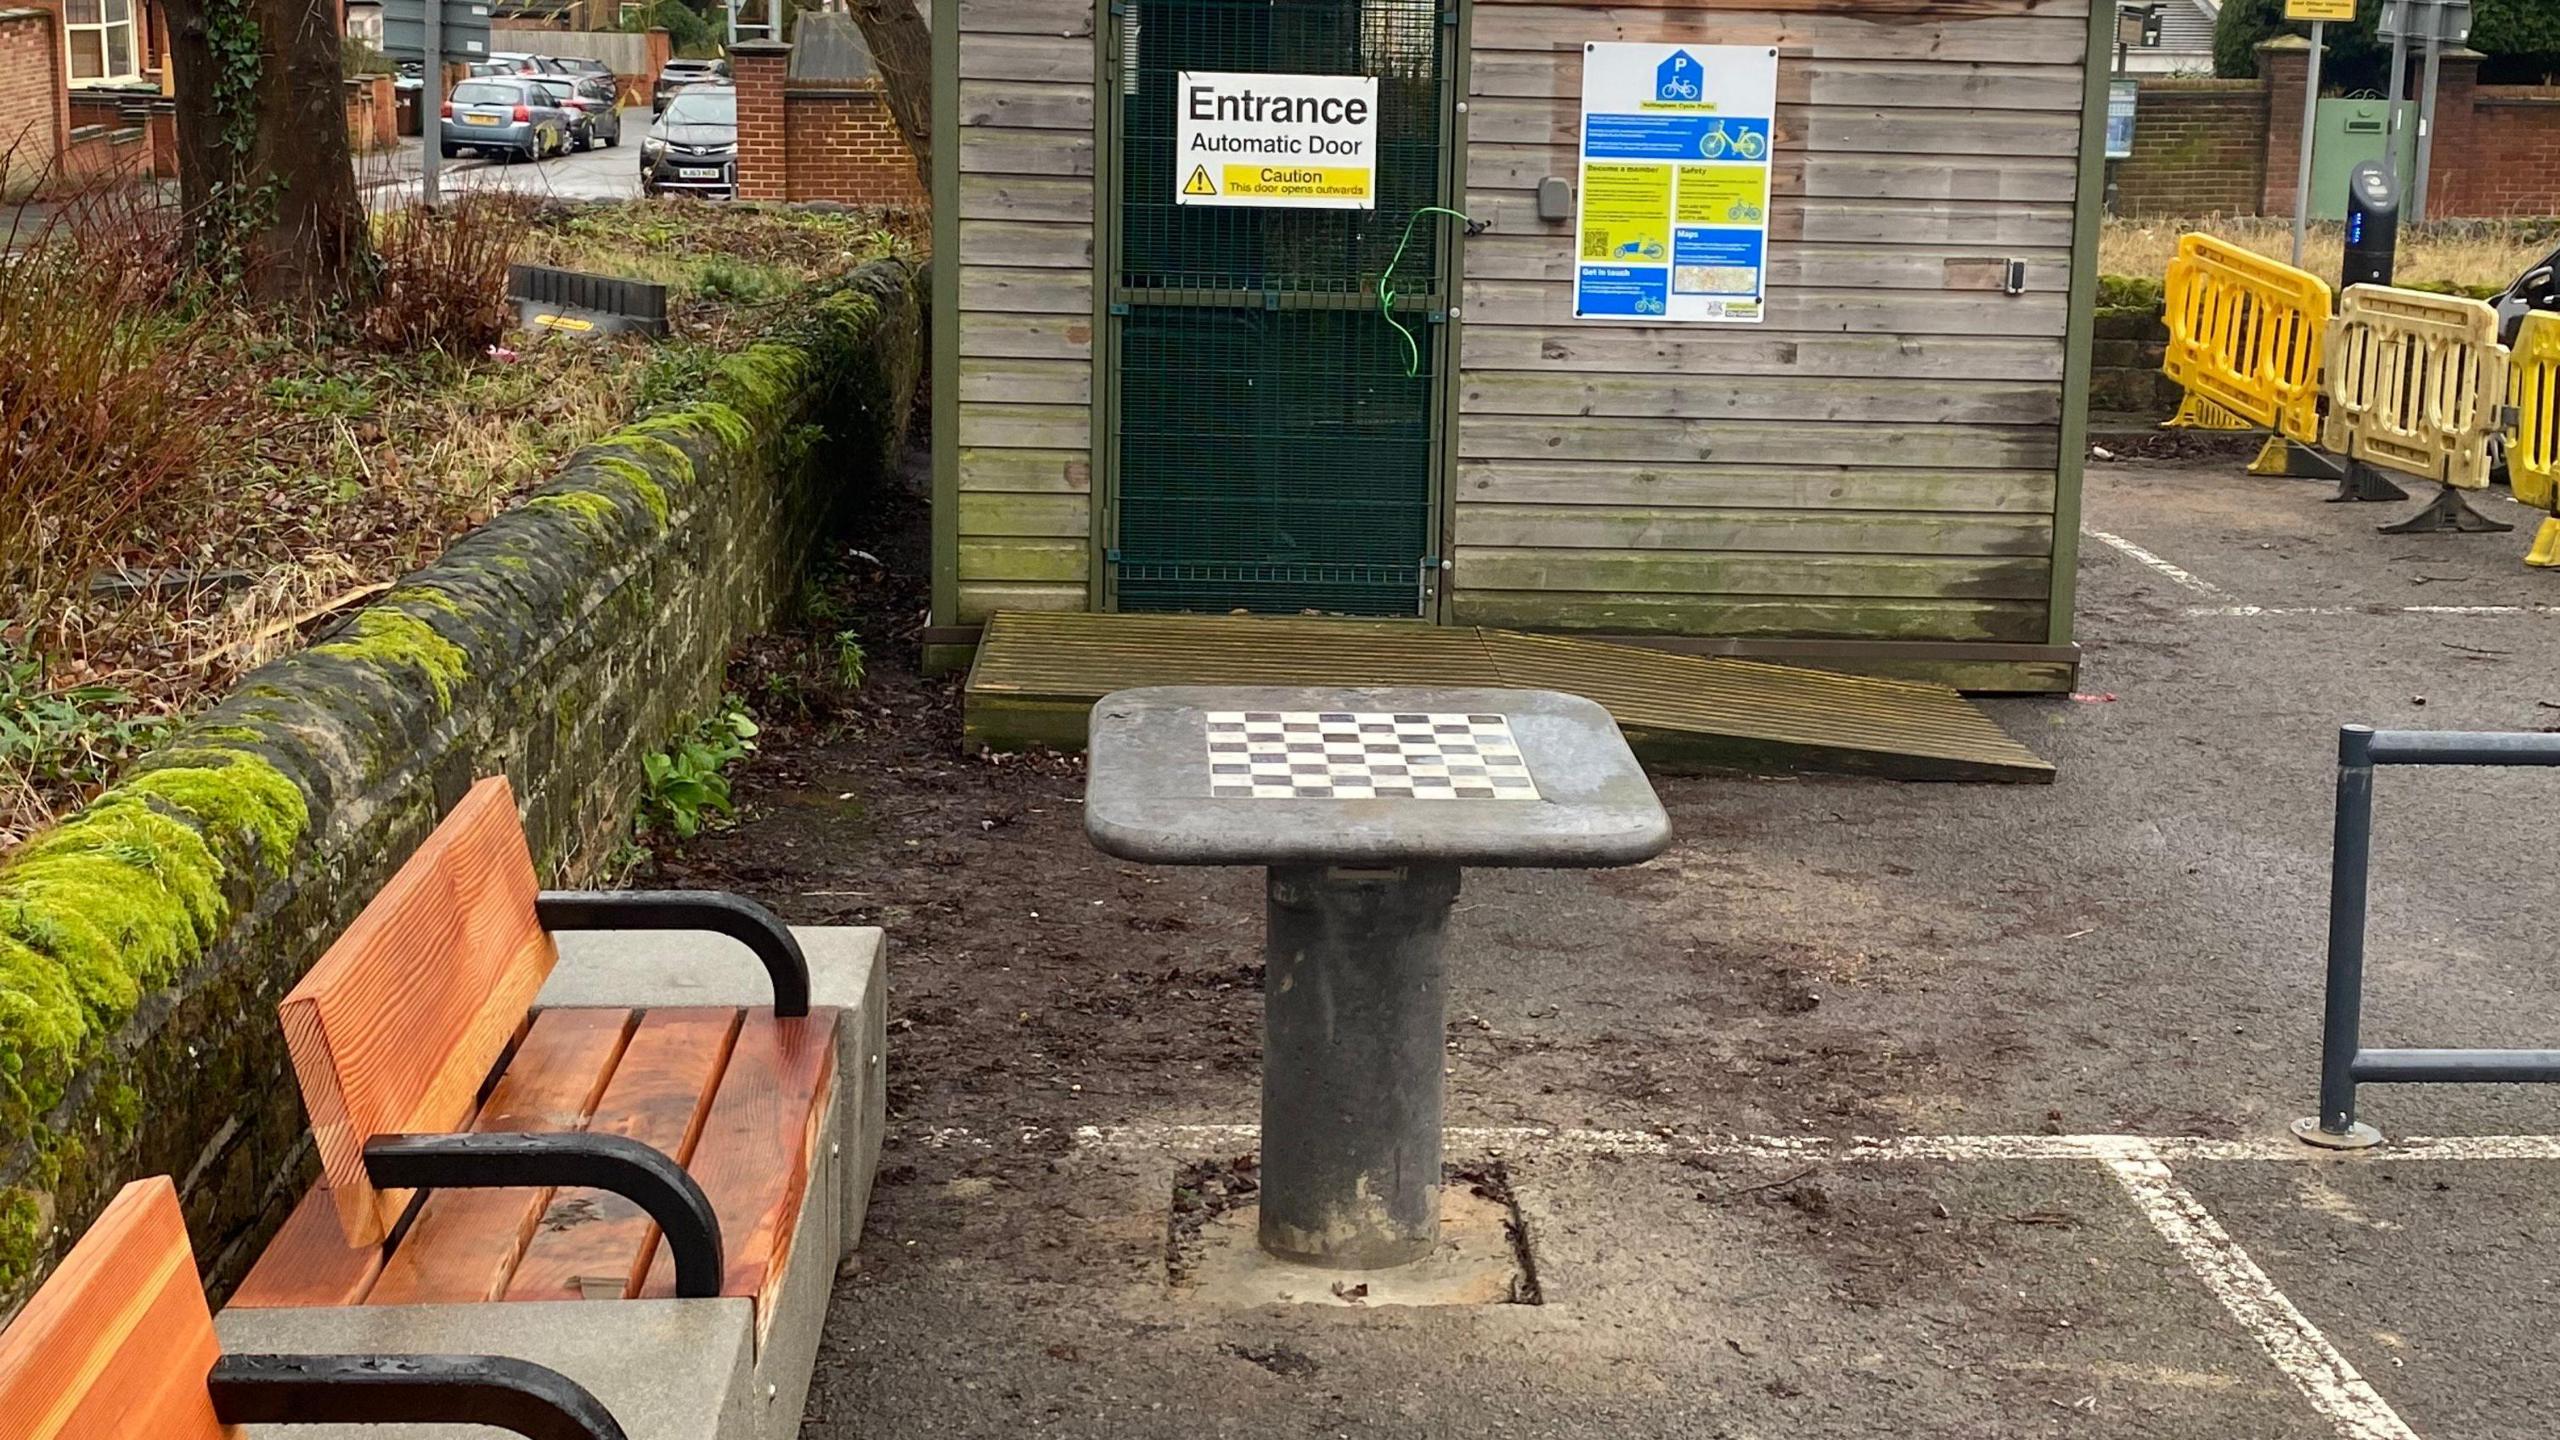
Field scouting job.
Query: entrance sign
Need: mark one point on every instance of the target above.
(1291, 142)
(1676, 143)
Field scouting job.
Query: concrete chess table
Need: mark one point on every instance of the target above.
(1363, 804)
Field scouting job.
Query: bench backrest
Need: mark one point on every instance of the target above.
(399, 1025)
(118, 1341)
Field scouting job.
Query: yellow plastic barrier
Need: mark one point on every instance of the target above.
(2533, 448)
(2533, 451)
(2246, 333)
(2417, 384)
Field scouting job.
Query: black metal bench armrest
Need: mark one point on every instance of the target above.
(499, 1161)
(537, 1403)
(715, 911)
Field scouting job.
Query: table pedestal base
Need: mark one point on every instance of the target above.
(1354, 1004)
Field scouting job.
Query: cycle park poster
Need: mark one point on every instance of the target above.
(1673, 221)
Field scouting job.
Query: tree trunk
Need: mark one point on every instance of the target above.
(902, 50)
(264, 170)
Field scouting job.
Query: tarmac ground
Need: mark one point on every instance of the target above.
(1868, 1109)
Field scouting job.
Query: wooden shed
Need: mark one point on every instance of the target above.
(1147, 400)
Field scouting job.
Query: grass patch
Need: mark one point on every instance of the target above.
(2458, 255)
(305, 468)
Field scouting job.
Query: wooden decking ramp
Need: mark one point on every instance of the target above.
(1038, 674)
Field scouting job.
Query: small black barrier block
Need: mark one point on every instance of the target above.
(571, 302)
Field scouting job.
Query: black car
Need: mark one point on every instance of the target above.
(680, 73)
(693, 147)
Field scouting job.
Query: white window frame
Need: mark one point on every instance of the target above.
(104, 29)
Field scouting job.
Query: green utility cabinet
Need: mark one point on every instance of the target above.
(2347, 134)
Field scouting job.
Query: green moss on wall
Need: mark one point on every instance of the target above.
(122, 897)
(590, 511)
(21, 1234)
(388, 639)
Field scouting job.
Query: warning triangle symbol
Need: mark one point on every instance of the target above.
(1199, 183)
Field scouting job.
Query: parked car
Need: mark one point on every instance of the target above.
(693, 147)
(504, 117)
(680, 73)
(581, 65)
(594, 118)
(2538, 288)
(524, 63)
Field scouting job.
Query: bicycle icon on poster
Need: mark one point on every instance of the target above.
(1746, 144)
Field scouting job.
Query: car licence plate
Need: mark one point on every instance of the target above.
(697, 172)
(479, 119)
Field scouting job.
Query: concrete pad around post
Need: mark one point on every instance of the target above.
(667, 1369)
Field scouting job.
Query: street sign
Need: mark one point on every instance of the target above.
(466, 29)
(2449, 21)
(2320, 9)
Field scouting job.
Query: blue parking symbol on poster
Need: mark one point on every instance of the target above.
(1622, 290)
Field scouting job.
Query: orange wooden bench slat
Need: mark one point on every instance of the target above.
(590, 1244)
(463, 1245)
(397, 1028)
(756, 1149)
(117, 1342)
(309, 1262)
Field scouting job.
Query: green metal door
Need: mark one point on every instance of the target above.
(1276, 435)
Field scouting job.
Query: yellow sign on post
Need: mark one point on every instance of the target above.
(2319, 9)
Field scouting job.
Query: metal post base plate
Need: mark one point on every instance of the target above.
(2359, 1136)
(2448, 511)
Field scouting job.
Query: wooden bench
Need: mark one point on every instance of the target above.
(527, 1096)
(118, 1345)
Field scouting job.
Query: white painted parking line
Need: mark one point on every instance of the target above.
(2250, 611)
(1569, 1142)
(2141, 1164)
(2181, 577)
(2326, 1378)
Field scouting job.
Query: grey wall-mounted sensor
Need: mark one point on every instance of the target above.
(1555, 198)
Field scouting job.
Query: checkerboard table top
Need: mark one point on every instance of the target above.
(1214, 775)
(1364, 755)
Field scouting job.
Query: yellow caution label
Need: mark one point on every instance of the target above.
(564, 322)
(1299, 182)
(1200, 183)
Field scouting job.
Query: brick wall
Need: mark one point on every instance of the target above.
(759, 69)
(843, 145)
(2497, 147)
(812, 140)
(2199, 148)
(109, 138)
(33, 118)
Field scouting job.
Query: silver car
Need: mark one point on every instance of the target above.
(504, 118)
(594, 117)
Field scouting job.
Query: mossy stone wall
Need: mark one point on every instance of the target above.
(145, 943)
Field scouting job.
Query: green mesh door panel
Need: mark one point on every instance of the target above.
(1274, 454)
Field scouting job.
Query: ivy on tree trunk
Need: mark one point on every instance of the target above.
(264, 170)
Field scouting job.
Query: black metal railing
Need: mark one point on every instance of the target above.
(2344, 1061)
